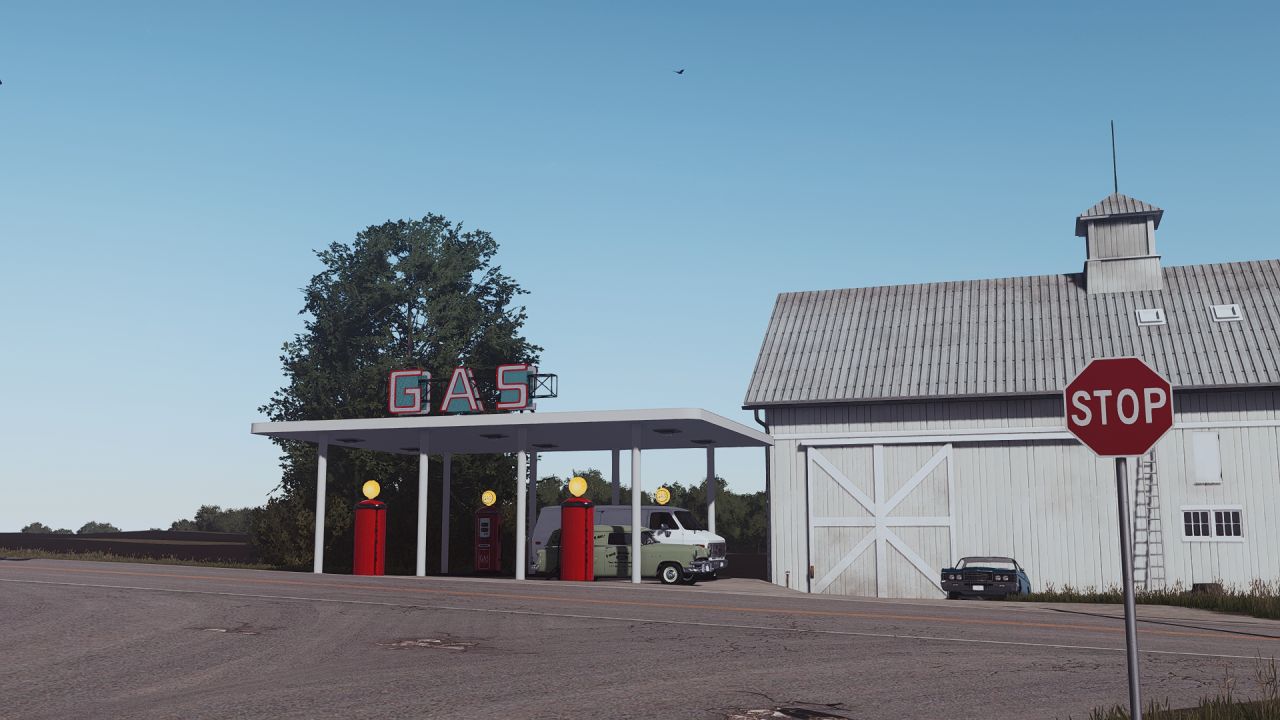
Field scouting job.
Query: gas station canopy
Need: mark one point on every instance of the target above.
(525, 435)
(669, 429)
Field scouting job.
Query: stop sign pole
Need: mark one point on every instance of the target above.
(1120, 408)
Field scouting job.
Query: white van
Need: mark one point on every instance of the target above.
(669, 524)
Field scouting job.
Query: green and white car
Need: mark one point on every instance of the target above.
(671, 563)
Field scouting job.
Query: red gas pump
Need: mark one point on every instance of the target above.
(488, 539)
(577, 539)
(371, 537)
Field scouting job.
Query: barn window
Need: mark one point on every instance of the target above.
(1229, 312)
(1195, 523)
(1212, 523)
(1206, 458)
(1226, 523)
(1150, 316)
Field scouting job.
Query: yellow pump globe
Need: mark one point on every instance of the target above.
(488, 497)
(662, 495)
(577, 486)
(371, 489)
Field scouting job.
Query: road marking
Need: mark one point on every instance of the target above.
(374, 586)
(612, 618)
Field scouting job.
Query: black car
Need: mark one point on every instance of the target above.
(989, 577)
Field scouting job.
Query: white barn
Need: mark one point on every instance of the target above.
(916, 424)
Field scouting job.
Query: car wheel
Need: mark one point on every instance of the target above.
(953, 596)
(670, 574)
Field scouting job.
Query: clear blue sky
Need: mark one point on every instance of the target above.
(166, 170)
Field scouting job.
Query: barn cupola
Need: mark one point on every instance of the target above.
(1120, 237)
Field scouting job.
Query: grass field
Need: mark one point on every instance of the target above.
(1261, 598)
(1231, 702)
(30, 554)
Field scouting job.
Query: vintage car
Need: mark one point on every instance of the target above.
(988, 577)
(671, 563)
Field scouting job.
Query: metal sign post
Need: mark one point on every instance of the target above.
(1126, 567)
(1120, 408)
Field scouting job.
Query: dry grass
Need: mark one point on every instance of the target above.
(30, 554)
(1261, 598)
(1227, 705)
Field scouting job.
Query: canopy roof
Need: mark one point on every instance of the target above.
(665, 429)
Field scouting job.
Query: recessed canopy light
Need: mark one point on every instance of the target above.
(492, 436)
(667, 431)
(704, 442)
(410, 449)
(545, 446)
(350, 440)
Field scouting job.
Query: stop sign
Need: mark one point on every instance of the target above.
(1119, 406)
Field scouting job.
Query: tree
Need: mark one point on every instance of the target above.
(212, 518)
(36, 527)
(405, 294)
(97, 527)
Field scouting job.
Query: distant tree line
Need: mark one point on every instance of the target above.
(209, 518)
(212, 518)
(89, 527)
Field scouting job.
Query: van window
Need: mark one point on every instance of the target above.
(687, 520)
(658, 519)
(618, 538)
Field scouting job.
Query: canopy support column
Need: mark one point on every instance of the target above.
(423, 466)
(711, 488)
(616, 497)
(533, 501)
(322, 469)
(522, 466)
(445, 500)
(636, 529)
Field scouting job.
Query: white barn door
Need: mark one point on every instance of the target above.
(881, 519)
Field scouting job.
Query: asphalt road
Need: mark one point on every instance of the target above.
(116, 640)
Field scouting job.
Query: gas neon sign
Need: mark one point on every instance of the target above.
(409, 391)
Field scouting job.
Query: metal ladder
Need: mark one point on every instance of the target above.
(1148, 536)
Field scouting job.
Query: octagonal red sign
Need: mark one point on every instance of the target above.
(1118, 407)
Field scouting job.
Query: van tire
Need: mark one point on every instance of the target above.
(670, 573)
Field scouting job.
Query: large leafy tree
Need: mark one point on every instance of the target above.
(406, 294)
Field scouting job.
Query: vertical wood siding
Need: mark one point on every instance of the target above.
(1051, 504)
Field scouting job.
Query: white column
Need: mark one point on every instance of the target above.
(636, 530)
(522, 463)
(712, 487)
(445, 499)
(533, 499)
(322, 469)
(617, 480)
(423, 465)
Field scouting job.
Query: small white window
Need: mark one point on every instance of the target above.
(1206, 458)
(1150, 316)
(1210, 524)
(1226, 313)
(1195, 523)
(1226, 523)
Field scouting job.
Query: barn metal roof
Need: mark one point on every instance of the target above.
(1116, 205)
(1014, 336)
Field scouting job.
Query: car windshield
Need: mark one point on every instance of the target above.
(687, 520)
(987, 562)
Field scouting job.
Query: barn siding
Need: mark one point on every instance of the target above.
(1049, 503)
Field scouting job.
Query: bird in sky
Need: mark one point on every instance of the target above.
(678, 72)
